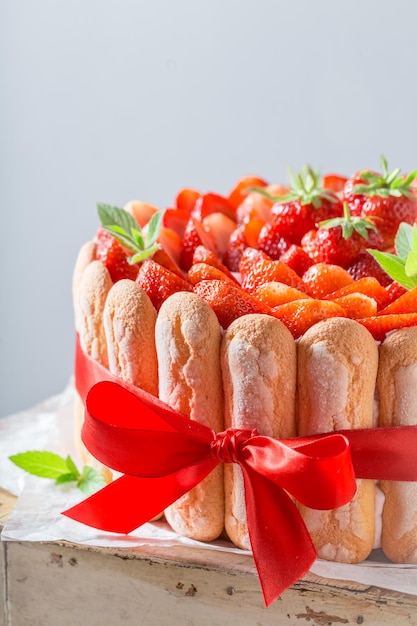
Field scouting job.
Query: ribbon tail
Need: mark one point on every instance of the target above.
(282, 547)
(130, 501)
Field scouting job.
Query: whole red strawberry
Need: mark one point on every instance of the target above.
(111, 253)
(388, 198)
(366, 265)
(306, 204)
(340, 241)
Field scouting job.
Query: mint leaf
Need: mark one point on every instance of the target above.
(411, 265)
(394, 267)
(154, 227)
(66, 478)
(91, 481)
(72, 467)
(404, 240)
(39, 463)
(114, 216)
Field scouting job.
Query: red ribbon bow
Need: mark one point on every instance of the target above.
(164, 454)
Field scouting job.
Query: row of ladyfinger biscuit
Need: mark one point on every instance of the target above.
(255, 376)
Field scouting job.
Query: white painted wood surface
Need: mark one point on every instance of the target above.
(54, 584)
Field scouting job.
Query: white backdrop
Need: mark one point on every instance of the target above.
(109, 100)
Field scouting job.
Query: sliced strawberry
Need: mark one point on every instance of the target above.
(300, 315)
(235, 248)
(111, 253)
(273, 294)
(141, 211)
(321, 279)
(406, 303)
(221, 228)
(194, 235)
(176, 220)
(186, 199)
(171, 243)
(380, 325)
(164, 259)
(159, 282)
(202, 255)
(203, 271)
(251, 230)
(227, 301)
(251, 256)
(297, 259)
(212, 203)
(258, 205)
(267, 270)
(333, 182)
(369, 286)
(240, 190)
(357, 305)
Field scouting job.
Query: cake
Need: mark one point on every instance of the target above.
(271, 307)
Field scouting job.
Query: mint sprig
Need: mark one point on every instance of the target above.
(402, 266)
(389, 183)
(63, 470)
(127, 231)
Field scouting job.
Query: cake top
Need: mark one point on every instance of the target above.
(318, 247)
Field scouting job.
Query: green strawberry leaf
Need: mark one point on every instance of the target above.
(385, 184)
(91, 481)
(40, 463)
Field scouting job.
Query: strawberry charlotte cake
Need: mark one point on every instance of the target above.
(289, 309)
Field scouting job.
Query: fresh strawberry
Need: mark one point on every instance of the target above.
(203, 271)
(235, 248)
(209, 203)
(369, 286)
(274, 293)
(141, 211)
(357, 305)
(297, 259)
(241, 189)
(176, 220)
(406, 303)
(159, 282)
(220, 228)
(252, 229)
(195, 235)
(322, 278)
(111, 253)
(367, 265)
(380, 325)
(186, 199)
(266, 270)
(306, 204)
(259, 203)
(388, 198)
(202, 255)
(340, 240)
(164, 259)
(394, 291)
(249, 257)
(228, 301)
(271, 242)
(333, 182)
(300, 315)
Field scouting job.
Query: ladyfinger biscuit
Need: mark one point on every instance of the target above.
(337, 368)
(129, 323)
(93, 288)
(397, 386)
(258, 358)
(86, 254)
(188, 339)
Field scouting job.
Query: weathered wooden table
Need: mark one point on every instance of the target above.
(58, 584)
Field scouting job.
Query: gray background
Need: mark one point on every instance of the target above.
(112, 100)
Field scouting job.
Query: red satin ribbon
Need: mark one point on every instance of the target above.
(164, 454)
